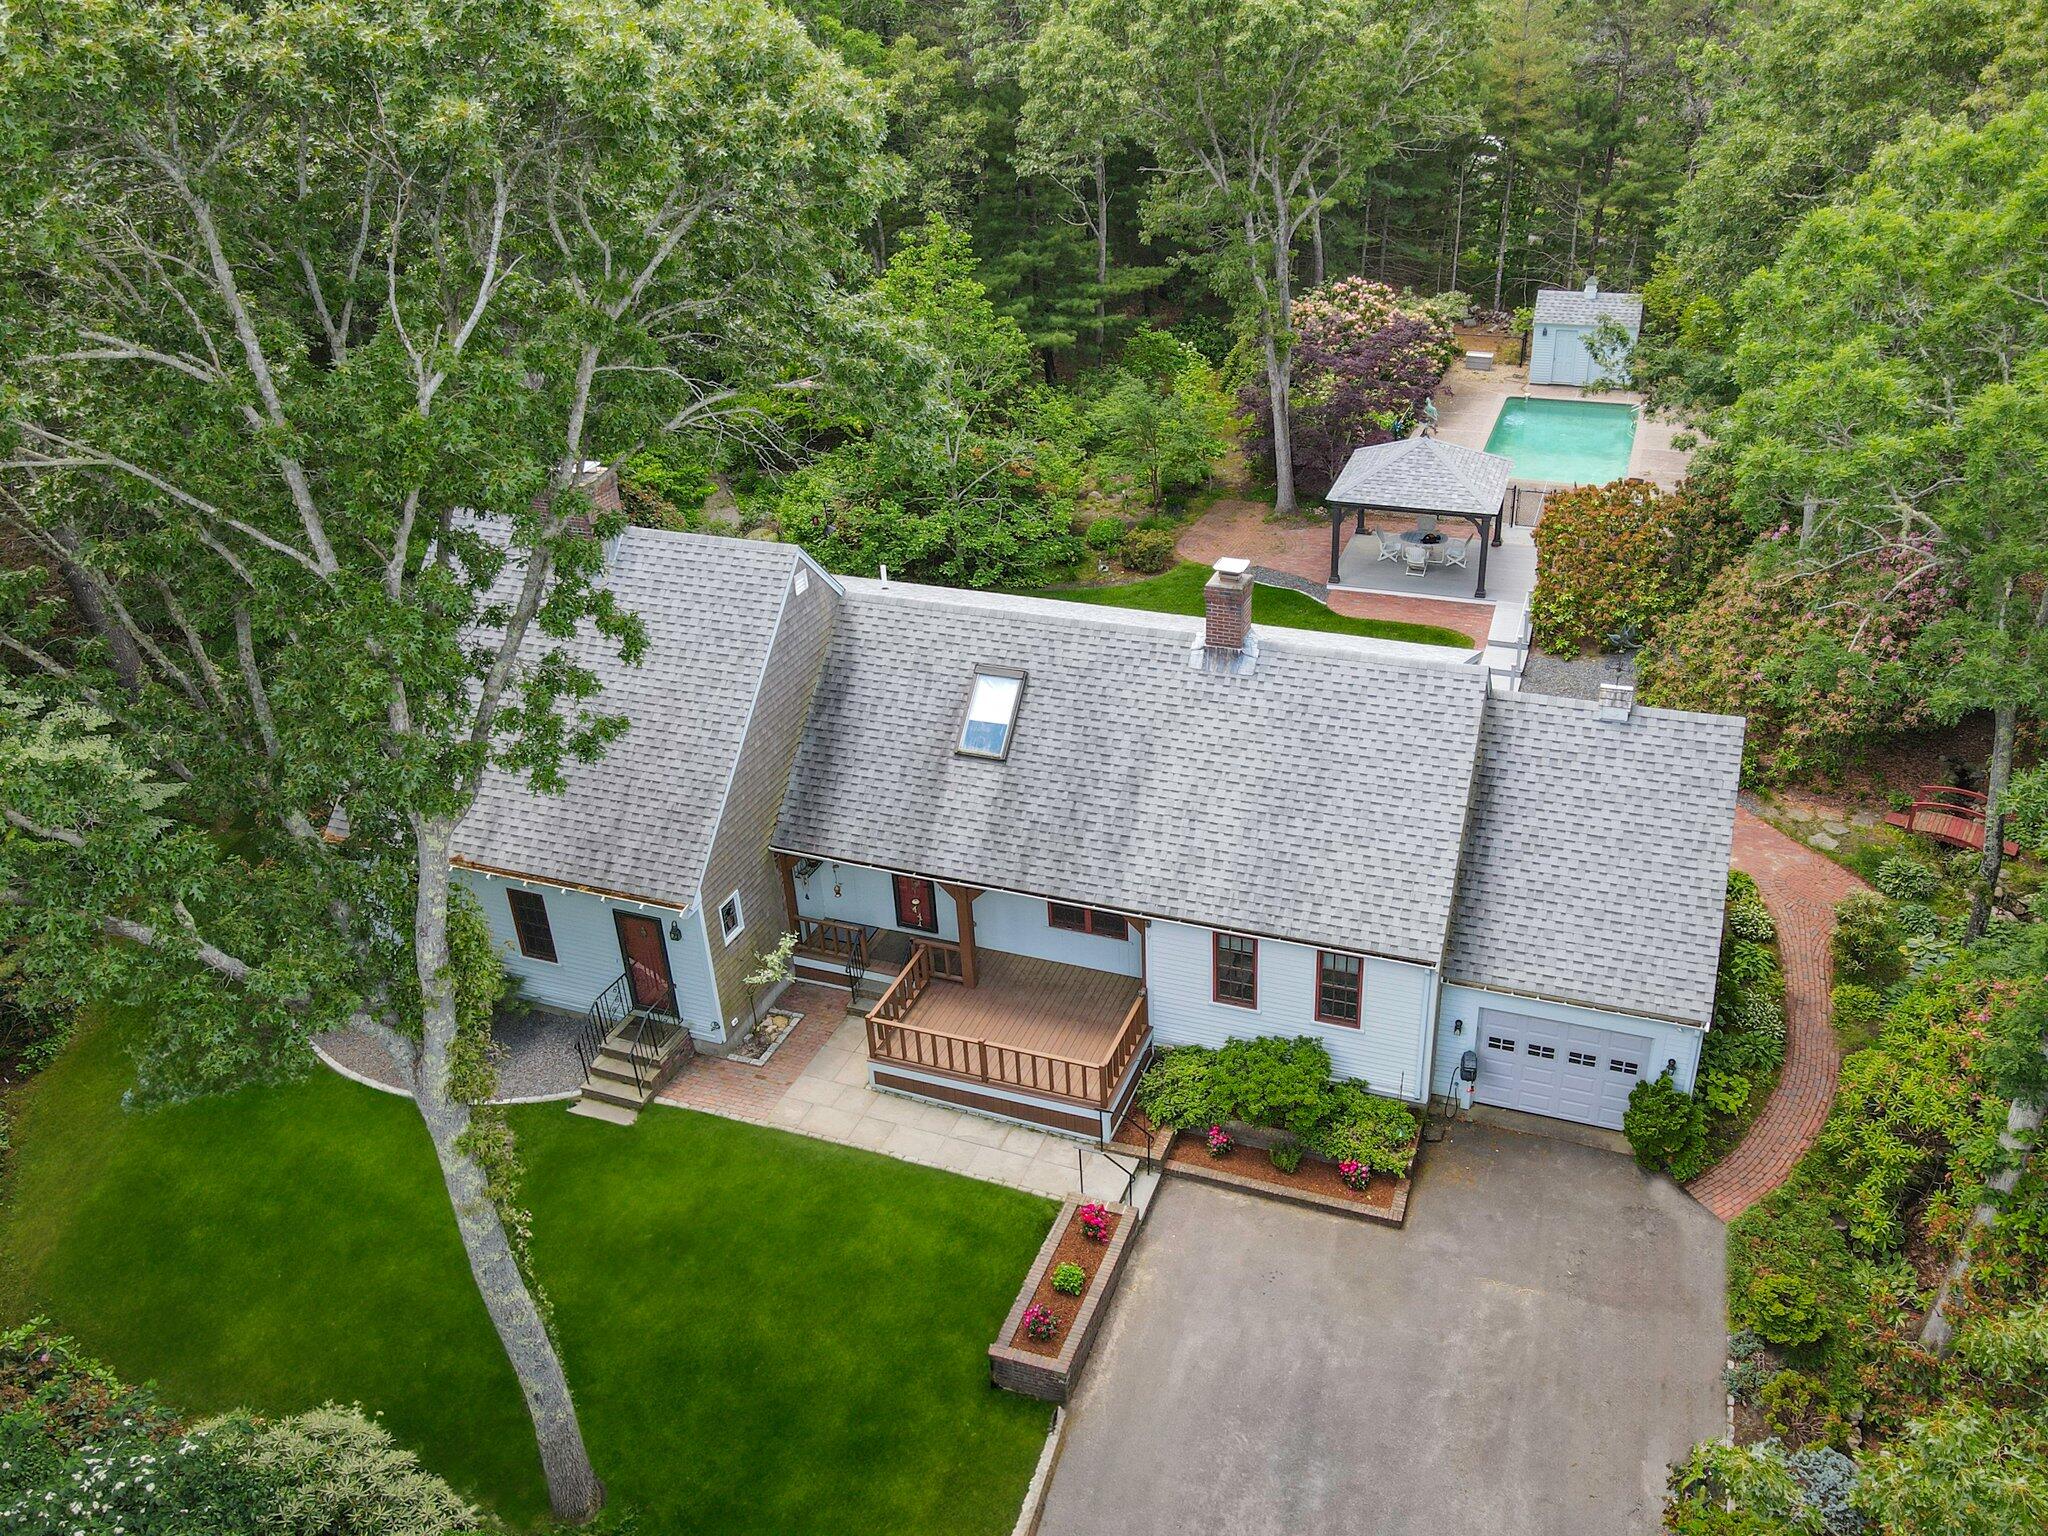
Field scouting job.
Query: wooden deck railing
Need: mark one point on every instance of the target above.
(986, 1061)
(829, 936)
(929, 959)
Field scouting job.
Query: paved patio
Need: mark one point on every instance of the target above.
(1467, 404)
(816, 1084)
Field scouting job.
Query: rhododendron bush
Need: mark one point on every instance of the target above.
(1366, 360)
(1601, 569)
(1823, 663)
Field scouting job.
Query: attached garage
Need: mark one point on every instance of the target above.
(1562, 327)
(1567, 1071)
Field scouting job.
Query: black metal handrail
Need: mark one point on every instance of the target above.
(639, 1031)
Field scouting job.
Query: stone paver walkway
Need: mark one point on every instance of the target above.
(1801, 888)
(817, 1084)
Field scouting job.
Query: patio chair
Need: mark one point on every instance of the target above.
(1390, 544)
(1416, 559)
(1454, 551)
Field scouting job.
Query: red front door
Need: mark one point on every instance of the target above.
(646, 958)
(917, 904)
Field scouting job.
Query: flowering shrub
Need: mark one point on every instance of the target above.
(1354, 1174)
(1094, 1219)
(1366, 360)
(1601, 566)
(1747, 917)
(1219, 1141)
(1822, 665)
(1068, 1279)
(1040, 1323)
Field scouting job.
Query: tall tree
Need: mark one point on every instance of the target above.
(1257, 113)
(1893, 369)
(315, 314)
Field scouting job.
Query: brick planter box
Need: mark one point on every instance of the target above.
(1051, 1377)
(1250, 1169)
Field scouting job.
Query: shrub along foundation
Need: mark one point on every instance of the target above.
(1046, 1368)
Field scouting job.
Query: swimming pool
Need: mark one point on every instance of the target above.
(1571, 442)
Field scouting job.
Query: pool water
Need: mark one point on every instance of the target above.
(1571, 442)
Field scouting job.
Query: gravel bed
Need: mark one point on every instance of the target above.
(1575, 677)
(537, 1057)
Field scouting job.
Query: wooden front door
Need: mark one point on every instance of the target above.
(646, 957)
(917, 904)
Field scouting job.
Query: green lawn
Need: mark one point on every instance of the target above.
(766, 1333)
(1180, 591)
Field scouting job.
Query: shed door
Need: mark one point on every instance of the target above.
(1571, 361)
(1567, 1071)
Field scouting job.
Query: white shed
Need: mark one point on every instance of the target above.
(1562, 330)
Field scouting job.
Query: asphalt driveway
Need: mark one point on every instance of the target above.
(1527, 1356)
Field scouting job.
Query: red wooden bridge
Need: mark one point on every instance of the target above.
(1949, 815)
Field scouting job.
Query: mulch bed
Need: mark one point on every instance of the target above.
(1076, 1247)
(1313, 1177)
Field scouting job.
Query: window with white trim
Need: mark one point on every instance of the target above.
(731, 917)
(991, 717)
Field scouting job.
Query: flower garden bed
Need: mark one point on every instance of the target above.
(1314, 1183)
(1046, 1338)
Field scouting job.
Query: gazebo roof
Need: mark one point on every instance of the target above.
(1423, 474)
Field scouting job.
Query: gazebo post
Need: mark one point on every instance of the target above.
(1480, 590)
(1499, 517)
(1336, 540)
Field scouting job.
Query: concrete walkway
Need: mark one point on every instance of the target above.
(1526, 1356)
(1801, 888)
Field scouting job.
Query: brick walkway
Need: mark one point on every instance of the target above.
(741, 1092)
(1801, 889)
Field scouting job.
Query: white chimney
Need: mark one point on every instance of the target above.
(1617, 701)
(1592, 287)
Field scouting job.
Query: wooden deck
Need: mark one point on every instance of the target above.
(1038, 1026)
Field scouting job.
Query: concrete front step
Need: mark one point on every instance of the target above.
(624, 1095)
(597, 1109)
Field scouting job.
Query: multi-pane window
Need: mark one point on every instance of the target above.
(1237, 970)
(530, 923)
(1543, 1052)
(731, 917)
(1339, 981)
(1104, 925)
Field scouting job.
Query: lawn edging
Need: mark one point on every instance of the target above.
(1051, 1378)
(1272, 1183)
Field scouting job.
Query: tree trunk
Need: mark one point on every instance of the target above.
(1458, 225)
(2005, 721)
(1278, 339)
(1101, 245)
(2022, 1127)
(91, 604)
(1500, 251)
(574, 1492)
(1316, 239)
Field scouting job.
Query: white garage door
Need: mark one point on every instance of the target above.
(1567, 1071)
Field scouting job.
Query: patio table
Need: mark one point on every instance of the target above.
(1430, 543)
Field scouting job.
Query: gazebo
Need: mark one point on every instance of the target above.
(1422, 477)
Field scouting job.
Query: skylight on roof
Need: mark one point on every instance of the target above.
(991, 712)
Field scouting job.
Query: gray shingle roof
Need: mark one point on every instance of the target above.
(1571, 306)
(1597, 863)
(639, 820)
(1320, 798)
(1423, 474)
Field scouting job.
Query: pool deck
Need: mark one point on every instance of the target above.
(1467, 404)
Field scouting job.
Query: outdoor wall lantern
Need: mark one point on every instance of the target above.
(675, 930)
(1671, 1067)
(1457, 1026)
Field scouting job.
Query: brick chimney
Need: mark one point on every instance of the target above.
(1227, 605)
(600, 482)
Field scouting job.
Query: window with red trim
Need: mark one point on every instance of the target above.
(1340, 981)
(530, 923)
(1237, 970)
(1104, 925)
